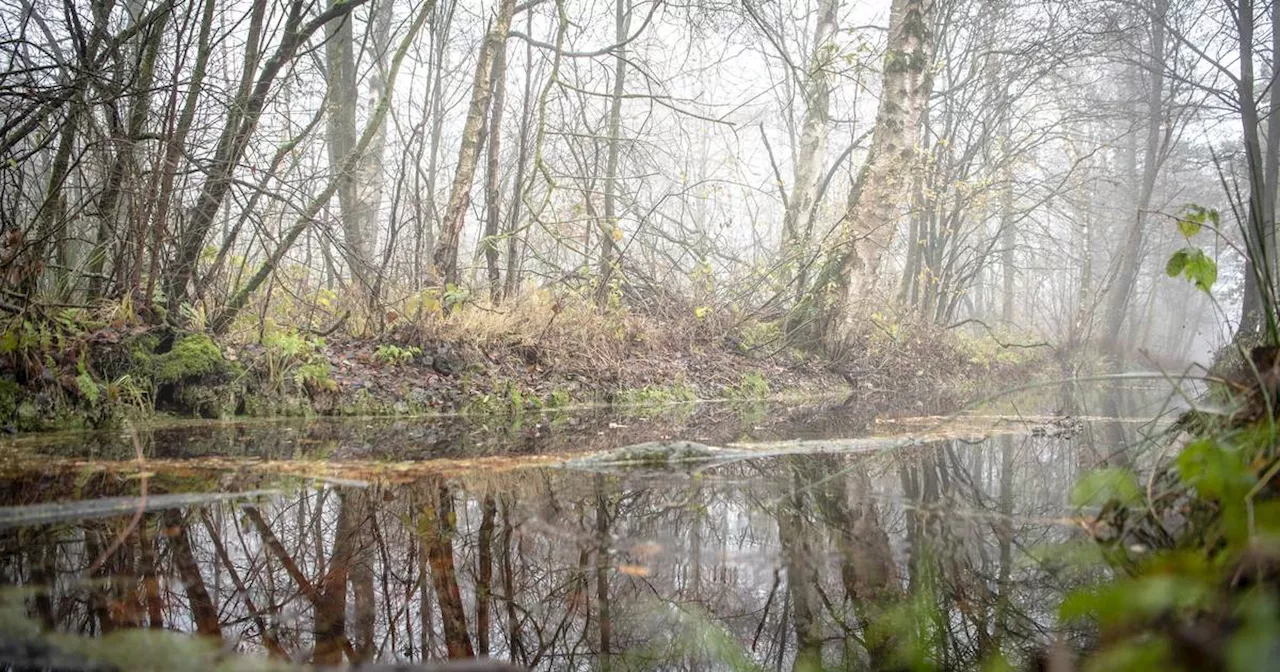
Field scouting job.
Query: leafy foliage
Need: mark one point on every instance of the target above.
(395, 355)
(1191, 262)
(290, 356)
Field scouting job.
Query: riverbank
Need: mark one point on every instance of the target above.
(86, 372)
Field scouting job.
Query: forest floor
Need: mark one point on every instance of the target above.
(79, 371)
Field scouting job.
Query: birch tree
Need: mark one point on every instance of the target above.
(445, 259)
(871, 220)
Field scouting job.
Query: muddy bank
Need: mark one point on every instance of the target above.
(100, 378)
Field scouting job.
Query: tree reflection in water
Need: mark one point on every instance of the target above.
(813, 562)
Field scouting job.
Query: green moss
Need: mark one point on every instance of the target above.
(142, 351)
(207, 401)
(267, 405)
(394, 355)
(192, 356)
(657, 394)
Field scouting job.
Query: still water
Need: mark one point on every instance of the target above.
(402, 541)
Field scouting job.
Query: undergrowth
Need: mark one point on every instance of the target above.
(448, 351)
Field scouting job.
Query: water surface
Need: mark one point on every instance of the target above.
(411, 540)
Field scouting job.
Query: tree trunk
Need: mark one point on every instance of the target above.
(175, 144)
(223, 320)
(232, 143)
(359, 189)
(445, 259)
(609, 231)
(493, 178)
(512, 283)
(1130, 252)
(871, 220)
(113, 189)
(1258, 306)
(797, 222)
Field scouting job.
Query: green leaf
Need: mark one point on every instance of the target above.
(1201, 270)
(1194, 265)
(1136, 599)
(1216, 473)
(1104, 485)
(1176, 263)
(1188, 227)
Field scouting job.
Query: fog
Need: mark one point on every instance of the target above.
(998, 167)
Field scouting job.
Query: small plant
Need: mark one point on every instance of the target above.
(454, 296)
(759, 334)
(559, 398)
(1191, 262)
(126, 390)
(394, 355)
(292, 356)
(88, 387)
(751, 385)
(315, 376)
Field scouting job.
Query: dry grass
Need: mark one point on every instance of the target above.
(569, 334)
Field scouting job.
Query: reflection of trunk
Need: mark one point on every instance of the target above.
(602, 574)
(314, 595)
(796, 536)
(203, 611)
(330, 625)
(98, 600)
(150, 580)
(428, 639)
(1117, 443)
(362, 574)
(44, 570)
(868, 573)
(438, 532)
(1004, 536)
(268, 635)
(484, 574)
(514, 644)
